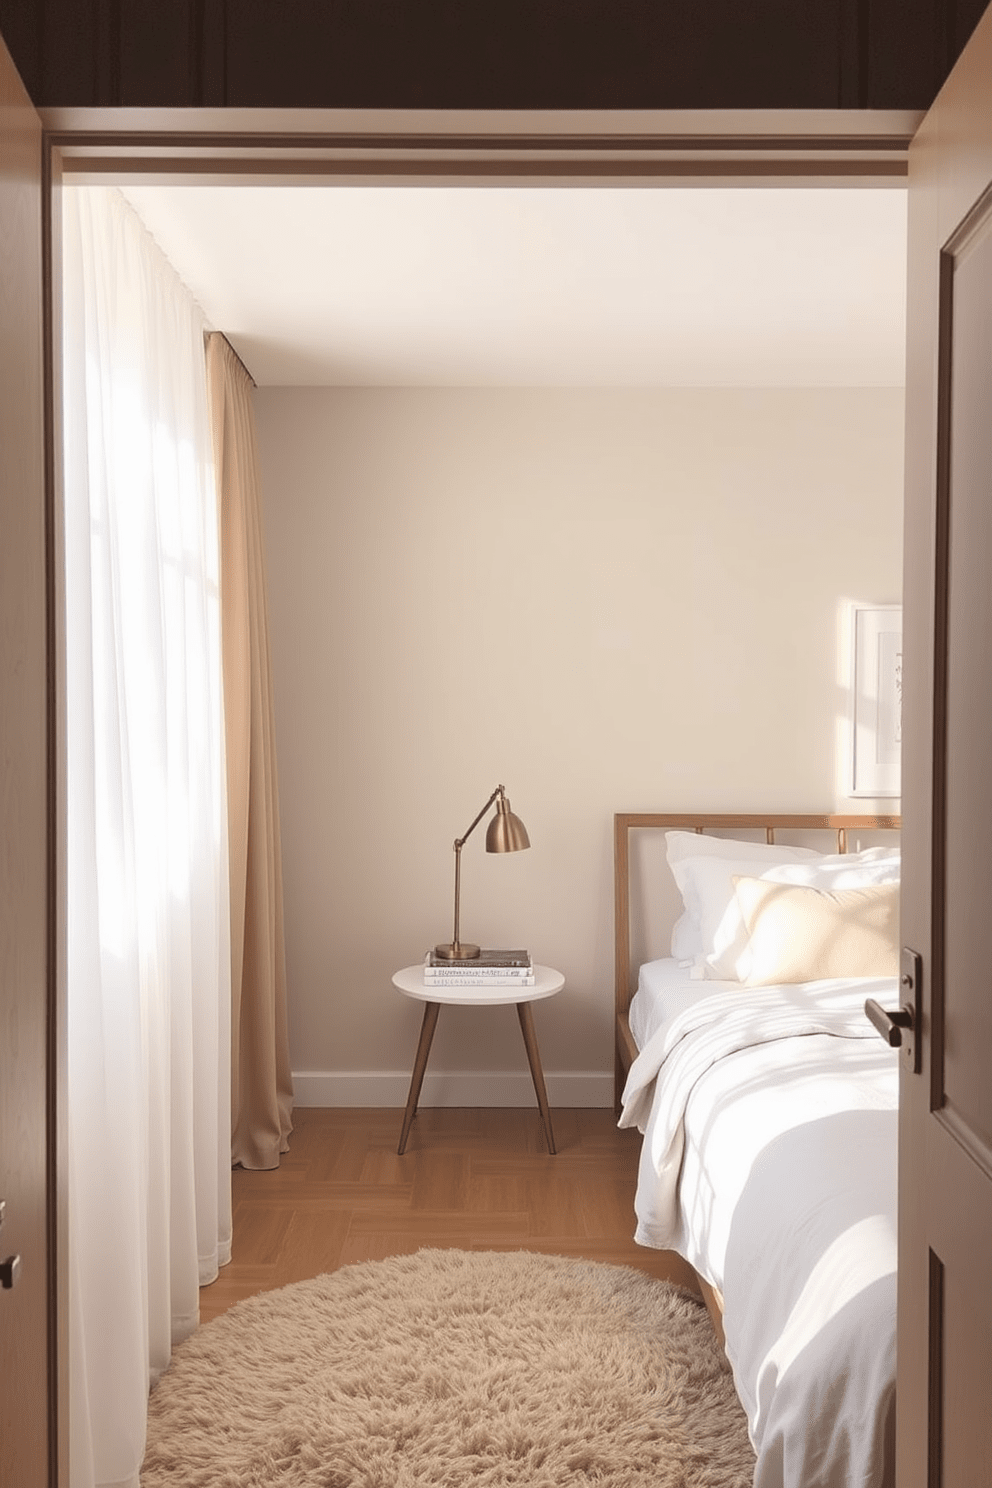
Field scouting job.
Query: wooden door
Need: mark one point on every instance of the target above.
(25, 1347)
(944, 1398)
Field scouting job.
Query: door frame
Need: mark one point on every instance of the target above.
(317, 147)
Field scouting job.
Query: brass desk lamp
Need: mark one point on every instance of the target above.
(505, 833)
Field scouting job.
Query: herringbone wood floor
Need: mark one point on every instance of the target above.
(470, 1179)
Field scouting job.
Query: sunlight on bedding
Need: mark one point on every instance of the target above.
(735, 1116)
(862, 1255)
(768, 1162)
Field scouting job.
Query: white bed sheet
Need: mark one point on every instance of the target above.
(769, 1162)
(666, 988)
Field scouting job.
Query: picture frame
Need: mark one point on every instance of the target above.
(876, 700)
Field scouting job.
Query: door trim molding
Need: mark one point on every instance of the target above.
(471, 147)
(58, 1184)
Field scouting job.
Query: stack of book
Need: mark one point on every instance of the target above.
(489, 969)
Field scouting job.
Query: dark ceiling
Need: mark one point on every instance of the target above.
(536, 54)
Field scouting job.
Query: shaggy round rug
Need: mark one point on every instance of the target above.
(451, 1368)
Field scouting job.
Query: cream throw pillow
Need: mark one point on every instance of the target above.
(801, 934)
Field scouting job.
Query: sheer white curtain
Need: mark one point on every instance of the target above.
(148, 935)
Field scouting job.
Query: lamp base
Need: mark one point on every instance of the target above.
(457, 952)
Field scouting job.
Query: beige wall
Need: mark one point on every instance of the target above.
(607, 600)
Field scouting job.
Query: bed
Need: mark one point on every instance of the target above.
(768, 1107)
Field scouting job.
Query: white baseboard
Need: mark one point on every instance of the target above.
(449, 1088)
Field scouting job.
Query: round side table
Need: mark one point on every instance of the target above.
(410, 981)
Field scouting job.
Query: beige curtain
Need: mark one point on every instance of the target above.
(261, 1083)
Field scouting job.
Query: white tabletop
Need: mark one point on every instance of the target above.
(410, 981)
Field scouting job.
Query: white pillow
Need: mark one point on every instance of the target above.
(706, 902)
(797, 933)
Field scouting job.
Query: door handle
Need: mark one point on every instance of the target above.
(901, 1028)
(889, 1024)
(10, 1270)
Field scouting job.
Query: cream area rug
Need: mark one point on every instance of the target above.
(453, 1369)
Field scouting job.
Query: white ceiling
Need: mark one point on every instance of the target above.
(490, 286)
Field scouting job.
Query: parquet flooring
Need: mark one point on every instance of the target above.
(470, 1179)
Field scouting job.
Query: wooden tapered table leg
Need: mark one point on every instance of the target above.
(457, 991)
(431, 1010)
(537, 1074)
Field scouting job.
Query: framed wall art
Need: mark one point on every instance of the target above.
(876, 689)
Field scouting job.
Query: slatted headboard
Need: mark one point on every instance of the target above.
(723, 824)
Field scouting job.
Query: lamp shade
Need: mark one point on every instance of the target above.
(506, 832)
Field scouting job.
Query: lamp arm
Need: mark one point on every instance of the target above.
(460, 841)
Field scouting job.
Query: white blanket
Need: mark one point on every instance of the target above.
(769, 1161)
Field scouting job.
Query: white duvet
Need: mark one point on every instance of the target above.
(769, 1162)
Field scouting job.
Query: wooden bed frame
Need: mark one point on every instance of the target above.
(718, 823)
